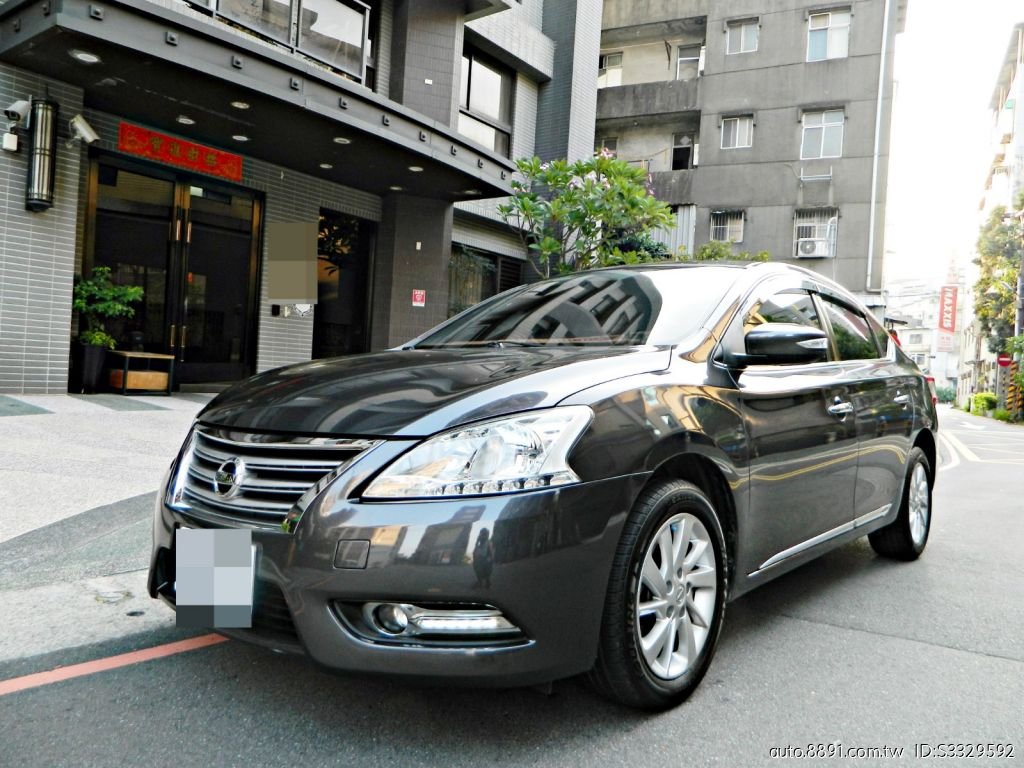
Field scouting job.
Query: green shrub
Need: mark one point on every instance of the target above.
(1002, 414)
(945, 394)
(984, 401)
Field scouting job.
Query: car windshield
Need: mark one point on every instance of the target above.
(606, 307)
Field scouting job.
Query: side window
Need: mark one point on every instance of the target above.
(853, 335)
(783, 307)
(882, 337)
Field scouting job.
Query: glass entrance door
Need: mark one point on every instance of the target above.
(191, 245)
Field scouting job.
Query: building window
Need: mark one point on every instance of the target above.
(814, 233)
(334, 32)
(741, 36)
(727, 226)
(828, 35)
(687, 62)
(916, 338)
(485, 103)
(609, 144)
(474, 276)
(822, 134)
(684, 151)
(609, 71)
(737, 132)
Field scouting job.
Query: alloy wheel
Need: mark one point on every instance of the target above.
(675, 597)
(919, 503)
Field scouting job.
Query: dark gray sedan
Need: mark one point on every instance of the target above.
(572, 477)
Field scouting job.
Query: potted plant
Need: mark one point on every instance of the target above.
(97, 299)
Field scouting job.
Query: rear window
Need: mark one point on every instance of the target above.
(607, 307)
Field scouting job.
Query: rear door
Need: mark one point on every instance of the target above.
(883, 399)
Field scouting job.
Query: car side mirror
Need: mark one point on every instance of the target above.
(781, 344)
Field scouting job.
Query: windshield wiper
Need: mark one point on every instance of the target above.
(513, 343)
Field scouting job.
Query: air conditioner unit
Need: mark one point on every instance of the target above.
(812, 248)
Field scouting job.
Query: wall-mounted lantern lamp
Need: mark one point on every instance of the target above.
(42, 158)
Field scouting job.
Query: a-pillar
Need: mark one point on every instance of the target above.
(412, 254)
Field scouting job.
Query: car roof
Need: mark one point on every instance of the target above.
(753, 271)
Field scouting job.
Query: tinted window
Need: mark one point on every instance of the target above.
(594, 308)
(882, 337)
(785, 307)
(854, 339)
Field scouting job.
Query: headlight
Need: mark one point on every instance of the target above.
(503, 456)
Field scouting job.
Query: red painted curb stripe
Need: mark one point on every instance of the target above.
(25, 682)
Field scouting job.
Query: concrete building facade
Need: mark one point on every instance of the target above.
(763, 122)
(1004, 184)
(286, 180)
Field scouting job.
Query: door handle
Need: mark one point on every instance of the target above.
(901, 399)
(173, 335)
(840, 408)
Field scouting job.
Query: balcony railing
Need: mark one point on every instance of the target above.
(673, 187)
(333, 32)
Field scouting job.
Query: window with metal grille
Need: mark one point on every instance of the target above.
(814, 232)
(727, 226)
(828, 35)
(822, 134)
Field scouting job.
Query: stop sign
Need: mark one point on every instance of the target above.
(1004, 359)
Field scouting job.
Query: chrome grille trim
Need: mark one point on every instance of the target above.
(280, 473)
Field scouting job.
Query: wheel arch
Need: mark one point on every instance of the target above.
(708, 477)
(925, 440)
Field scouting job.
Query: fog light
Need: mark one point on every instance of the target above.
(392, 618)
(411, 621)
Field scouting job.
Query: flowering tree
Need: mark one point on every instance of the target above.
(590, 213)
(999, 256)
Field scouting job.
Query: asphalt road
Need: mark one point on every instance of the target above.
(851, 653)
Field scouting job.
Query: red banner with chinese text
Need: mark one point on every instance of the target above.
(142, 142)
(947, 308)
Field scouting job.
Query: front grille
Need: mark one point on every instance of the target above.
(278, 471)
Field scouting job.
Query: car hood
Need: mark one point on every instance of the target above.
(419, 392)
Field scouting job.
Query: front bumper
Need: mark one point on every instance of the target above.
(548, 575)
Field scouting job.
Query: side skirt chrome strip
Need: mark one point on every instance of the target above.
(823, 537)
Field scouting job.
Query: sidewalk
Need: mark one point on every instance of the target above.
(61, 455)
(78, 477)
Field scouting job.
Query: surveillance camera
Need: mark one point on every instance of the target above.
(18, 111)
(82, 130)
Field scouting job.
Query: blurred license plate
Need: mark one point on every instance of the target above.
(215, 571)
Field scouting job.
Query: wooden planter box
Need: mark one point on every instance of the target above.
(135, 373)
(155, 380)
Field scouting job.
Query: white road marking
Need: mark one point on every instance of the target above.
(964, 451)
(955, 460)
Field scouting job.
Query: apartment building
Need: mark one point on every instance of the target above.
(1004, 183)
(764, 123)
(286, 179)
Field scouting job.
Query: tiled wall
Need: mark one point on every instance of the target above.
(37, 251)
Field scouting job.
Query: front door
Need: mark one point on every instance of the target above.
(192, 246)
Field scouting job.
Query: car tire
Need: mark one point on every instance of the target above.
(905, 538)
(660, 626)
